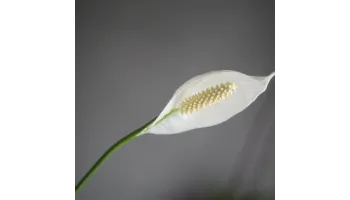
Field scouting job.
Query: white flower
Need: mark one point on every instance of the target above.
(207, 100)
(203, 101)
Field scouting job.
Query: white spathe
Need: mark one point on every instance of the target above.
(248, 89)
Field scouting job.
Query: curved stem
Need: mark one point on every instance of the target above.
(113, 148)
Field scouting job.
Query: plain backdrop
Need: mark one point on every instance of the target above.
(130, 58)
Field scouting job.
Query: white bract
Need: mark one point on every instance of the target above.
(207, 100)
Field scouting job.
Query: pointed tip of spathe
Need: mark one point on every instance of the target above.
(268, 78)
(265, 80)
(274, 74)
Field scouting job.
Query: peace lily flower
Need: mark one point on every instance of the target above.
(207, 100)
(203, 101)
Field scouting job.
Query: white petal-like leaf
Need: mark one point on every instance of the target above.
(247, 88)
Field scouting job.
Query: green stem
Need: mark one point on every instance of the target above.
(104, 157)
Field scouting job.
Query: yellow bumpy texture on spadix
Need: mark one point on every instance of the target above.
(207, 97)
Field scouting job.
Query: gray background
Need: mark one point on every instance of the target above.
(130, 58)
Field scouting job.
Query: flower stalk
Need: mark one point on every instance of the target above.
(109, 151)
